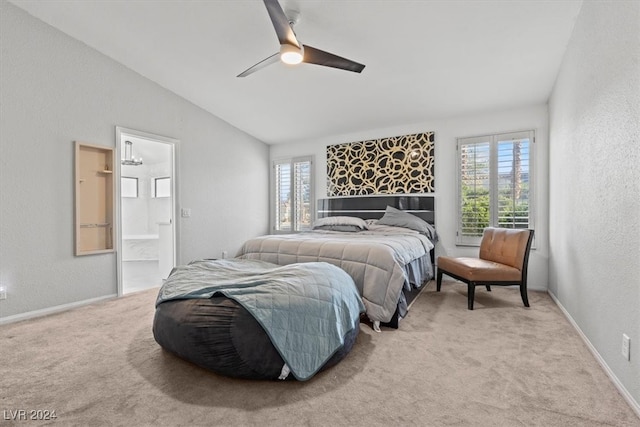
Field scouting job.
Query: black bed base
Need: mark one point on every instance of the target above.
(410, 296)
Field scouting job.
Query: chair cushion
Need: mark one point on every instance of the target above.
(479, 270)
(504, 245)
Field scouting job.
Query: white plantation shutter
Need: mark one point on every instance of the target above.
(302, 214)
(283, 196)
(294, 209)
(475, 182)
(494, 184)
(513, 180)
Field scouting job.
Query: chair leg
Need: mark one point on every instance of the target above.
(471, 290)
(438, 280)
(488, 288)
(523, 294)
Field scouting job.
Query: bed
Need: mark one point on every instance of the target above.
(257, 320)
(386, 247)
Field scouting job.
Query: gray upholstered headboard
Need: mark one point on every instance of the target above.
(373, 207)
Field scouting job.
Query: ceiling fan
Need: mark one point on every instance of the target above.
(292, 51)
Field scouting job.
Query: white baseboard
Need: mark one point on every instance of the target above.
(52, 310)
(621, 388)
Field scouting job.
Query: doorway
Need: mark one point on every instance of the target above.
(146, 183)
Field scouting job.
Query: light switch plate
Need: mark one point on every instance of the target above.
(626, 342)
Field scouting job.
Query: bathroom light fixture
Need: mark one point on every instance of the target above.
(129, 159)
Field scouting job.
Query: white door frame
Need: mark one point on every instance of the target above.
(174, 144)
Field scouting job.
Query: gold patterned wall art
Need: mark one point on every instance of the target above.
(395, 165)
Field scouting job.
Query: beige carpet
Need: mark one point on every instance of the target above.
(499, 365)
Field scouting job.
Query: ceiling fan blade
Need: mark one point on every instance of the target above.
(281, 23)
(320, 57)
(268, 61)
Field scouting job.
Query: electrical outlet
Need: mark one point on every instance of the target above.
(224, 254)
(626, 343)
(3, 292)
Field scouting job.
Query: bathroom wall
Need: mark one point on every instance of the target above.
(141, 215)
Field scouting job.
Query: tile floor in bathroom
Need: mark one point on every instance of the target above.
(140, 275)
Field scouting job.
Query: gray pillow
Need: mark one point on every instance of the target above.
(341, 220)
(398, 218)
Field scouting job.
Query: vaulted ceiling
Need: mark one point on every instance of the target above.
(424, 59)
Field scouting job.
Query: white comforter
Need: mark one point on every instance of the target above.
(373, 258)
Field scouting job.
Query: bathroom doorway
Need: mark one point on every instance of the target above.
(146, 184)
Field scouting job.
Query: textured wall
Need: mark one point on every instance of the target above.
(56, 90)
(594, 155)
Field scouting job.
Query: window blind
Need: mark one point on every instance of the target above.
(494, 175)
(293, 192)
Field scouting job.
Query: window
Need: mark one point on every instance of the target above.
(293, 192)
(128, 186)
(494, 184)
(161, 187)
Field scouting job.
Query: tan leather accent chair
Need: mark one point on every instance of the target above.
(504, 255)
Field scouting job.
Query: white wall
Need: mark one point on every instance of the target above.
(56, 90)
(595, 183)
(446, 132)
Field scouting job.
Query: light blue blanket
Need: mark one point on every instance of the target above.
(306, 309)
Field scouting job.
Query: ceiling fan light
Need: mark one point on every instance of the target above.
(290, 54)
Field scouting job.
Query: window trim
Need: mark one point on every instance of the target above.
(154, 187)
(124, 194)
(493, 139)
(274, 191)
